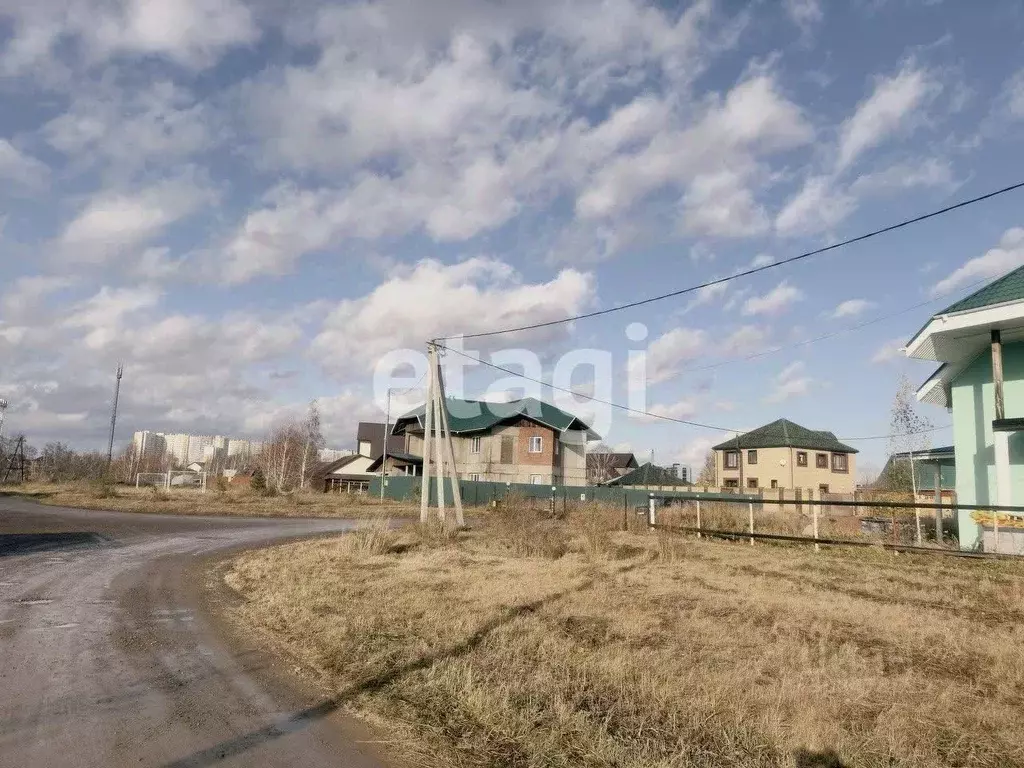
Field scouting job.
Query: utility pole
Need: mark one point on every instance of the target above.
(113, 415)
(3, 410)
(437, 443)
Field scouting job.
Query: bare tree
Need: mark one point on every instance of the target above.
(280, 460)
(909, 434)
(314, 441)
(600, 464)
(708, 473)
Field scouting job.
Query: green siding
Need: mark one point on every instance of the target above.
(973, 412)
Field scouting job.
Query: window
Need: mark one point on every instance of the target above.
(751, 457)
(821, 460)
(775, 483)
(537, 479)
(475, 445)
(507, 448)
(731, 482)
(536, 445)
(839, 462)
(475, 476)
(823, 488)
(732, 459)
(752, 482)
(801, 458)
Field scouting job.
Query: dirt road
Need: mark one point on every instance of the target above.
(110, 654)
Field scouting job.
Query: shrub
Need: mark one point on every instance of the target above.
(258, 482)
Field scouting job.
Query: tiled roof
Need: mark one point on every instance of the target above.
(1009, 287)
(610, 460)
(784, 433)
(478, 415)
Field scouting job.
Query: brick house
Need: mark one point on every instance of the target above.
(523, 441)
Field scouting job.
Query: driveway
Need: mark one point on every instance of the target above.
(112, 654)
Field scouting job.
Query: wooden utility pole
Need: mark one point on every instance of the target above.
(113, 415)
(438, 445)
(1001, 440)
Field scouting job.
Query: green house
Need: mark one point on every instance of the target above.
(979, 342)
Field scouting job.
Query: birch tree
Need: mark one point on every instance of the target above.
(908, 433)
(314, 441)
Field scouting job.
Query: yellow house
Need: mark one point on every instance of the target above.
(785, 455)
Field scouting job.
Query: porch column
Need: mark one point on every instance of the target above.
(1001, 438)
(938, 500)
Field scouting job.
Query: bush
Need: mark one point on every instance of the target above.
(374, 538)
(258, 482)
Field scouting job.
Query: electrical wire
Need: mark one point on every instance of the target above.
(649, 414)
(751, 271)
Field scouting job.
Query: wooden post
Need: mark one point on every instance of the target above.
(428, 419)
(698, 518)
(751, 523)
(651, 515)
(814, 515)
(438, 454)
(938, 502)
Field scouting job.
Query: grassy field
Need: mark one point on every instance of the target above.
(551, 644)
(193, 502)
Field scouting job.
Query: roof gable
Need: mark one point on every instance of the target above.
(479, 415)
(647, 474)
(783, 433)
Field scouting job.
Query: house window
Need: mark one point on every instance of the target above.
(823, 488)
(775, 483)
(801, 458)
(475, 445)
(536, 479)
(475, 476)
(731, 482)
(507, 446)
(536, 445)
(751, 457)
(839, 462)
(732, 459)
(821, 460)
(752, 482)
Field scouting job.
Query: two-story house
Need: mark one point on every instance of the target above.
(785, 455)
(523, 441)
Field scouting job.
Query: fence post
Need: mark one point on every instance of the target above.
(651, 519)
(698, 518)
(625, 510)
(814, 514)
(751, 522)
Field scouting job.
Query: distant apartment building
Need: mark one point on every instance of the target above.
(187, 449)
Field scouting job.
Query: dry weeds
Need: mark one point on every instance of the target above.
(491, 649)
(188, 501)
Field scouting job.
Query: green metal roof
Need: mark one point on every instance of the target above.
(1009, 287)
(647, 474)
(784, 433)
(479, 415)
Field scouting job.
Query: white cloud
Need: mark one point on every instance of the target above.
(683, 409)
(668, 354)
(804, 13)
(722, 205)
(851, 308)
(1013, 95)
(432, 300)
(192, 33)
(790, 382)
(114, 222)
(773, 302)
(1009, 254)
(817, 207)
(23, 299)
(929, 172)
(19, 168)
(890, 350)
(889, 109)
(745, 339)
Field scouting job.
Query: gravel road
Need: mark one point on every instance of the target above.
(112, 652)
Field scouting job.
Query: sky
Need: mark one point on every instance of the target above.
(257, 204)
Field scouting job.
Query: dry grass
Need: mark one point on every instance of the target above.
(236, 502)
(496, 648)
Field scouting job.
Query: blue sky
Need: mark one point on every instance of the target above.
(252, 204)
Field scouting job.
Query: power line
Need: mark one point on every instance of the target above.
(753, 270)
(649, 414)
(822, 337)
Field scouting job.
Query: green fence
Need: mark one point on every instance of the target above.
(482, 493)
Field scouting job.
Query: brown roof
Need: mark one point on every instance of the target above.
(373, 433)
